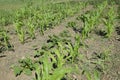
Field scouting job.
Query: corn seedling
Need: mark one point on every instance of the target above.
(5, 42)
(42, 71)
(86, 30)
(90, 19)
(31, 29)
(20, 31)
(72, 25)
(26, 66)
(110, 22)
(60, 53)
(96, 75)
(74, 49)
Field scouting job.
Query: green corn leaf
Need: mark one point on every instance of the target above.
(96, 75)
(17, 70)
(46, 67)
(105, 21)
(88, 75)
(37, 71)
(59, 73)
(27, 71)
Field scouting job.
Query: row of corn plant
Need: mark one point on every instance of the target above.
(43, 17)
(90, 19)
(59, 12)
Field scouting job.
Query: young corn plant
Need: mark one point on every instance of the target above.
(90, 19)
(6, 38)
(110, 22)
(73, 25)
(89, 23)
(102, 6)
(73, 50)
(44, 23)
(86, 29)
(19, 30)
(31, 29)
(61, 55)
(42, 71)
(26, 66)
(5, 42)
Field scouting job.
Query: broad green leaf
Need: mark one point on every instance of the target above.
(17, 70)
(59, 73)
(27, 71)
